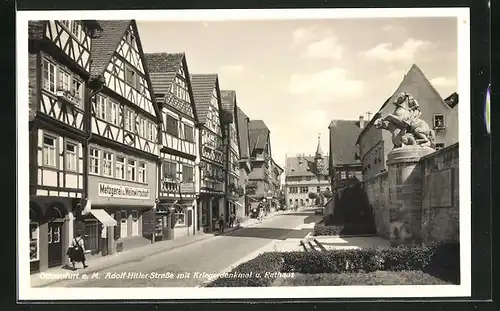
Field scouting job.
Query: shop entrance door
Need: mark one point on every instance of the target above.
(55, 243)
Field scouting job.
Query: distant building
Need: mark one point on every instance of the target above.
(260, 180)
(344, 164)
(306, 174)
(231, 154)
(375, 144)
(209, 111)
(244, 161)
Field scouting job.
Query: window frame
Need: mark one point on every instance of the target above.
(129, 126)
(121, 164)
(180, 213)
(96, 158)
(191, 130)
(142, 170)
(170, 128)
(133, 169)
(164, 176)
(191, 179)
(52, 149)
(72, 153)
(435, 118)
(110, 161)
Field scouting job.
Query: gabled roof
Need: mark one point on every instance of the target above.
(228, 98)
(163, 68)
(203, 86)
(259, 134)
(105, 45)
(244, 141)
(343, 134)
(412, 73)
(304, 166)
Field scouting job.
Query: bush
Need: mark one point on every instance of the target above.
(330, 227)
(267, 262)
(322, 229)
(405, 257)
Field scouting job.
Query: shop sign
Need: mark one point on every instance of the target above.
(123, 192)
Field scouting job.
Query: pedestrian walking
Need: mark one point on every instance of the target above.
(232, 219)
(221, 223)
(76, 251)
(261, 214)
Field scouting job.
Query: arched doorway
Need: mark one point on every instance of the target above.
(35, 215)
(55, 215)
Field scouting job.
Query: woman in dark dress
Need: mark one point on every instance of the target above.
(77, 250)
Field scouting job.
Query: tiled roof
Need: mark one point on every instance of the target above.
(228, 98)
(259, 133)
(304, 166)
(104, 45)
(343, 135)
(243, 122)
(162, 68)
(203, 86)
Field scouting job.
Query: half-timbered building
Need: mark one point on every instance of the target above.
(208, 109)
(59, 71)
(245, 162)
(179, 153)
(232, 155)
(123, 144)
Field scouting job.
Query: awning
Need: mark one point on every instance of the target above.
(238, 203)
(103, 217)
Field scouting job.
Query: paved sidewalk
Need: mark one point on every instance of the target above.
(98, 263)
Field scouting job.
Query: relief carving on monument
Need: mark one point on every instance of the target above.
(405, 125)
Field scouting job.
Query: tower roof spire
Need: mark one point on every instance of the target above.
(319, 152)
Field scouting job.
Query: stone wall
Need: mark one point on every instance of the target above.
(438, 219)
(440, 206)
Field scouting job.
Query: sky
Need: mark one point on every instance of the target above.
(298, 75)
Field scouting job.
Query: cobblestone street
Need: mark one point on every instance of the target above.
(191, 265)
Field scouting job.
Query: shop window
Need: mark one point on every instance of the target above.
(34, 242)
(123, 224)
(180, 216)
(135, 223)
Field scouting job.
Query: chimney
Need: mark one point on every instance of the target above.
(361, 122)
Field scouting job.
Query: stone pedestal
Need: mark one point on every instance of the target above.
(405, 193)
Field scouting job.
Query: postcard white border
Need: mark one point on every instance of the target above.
(25, 292)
